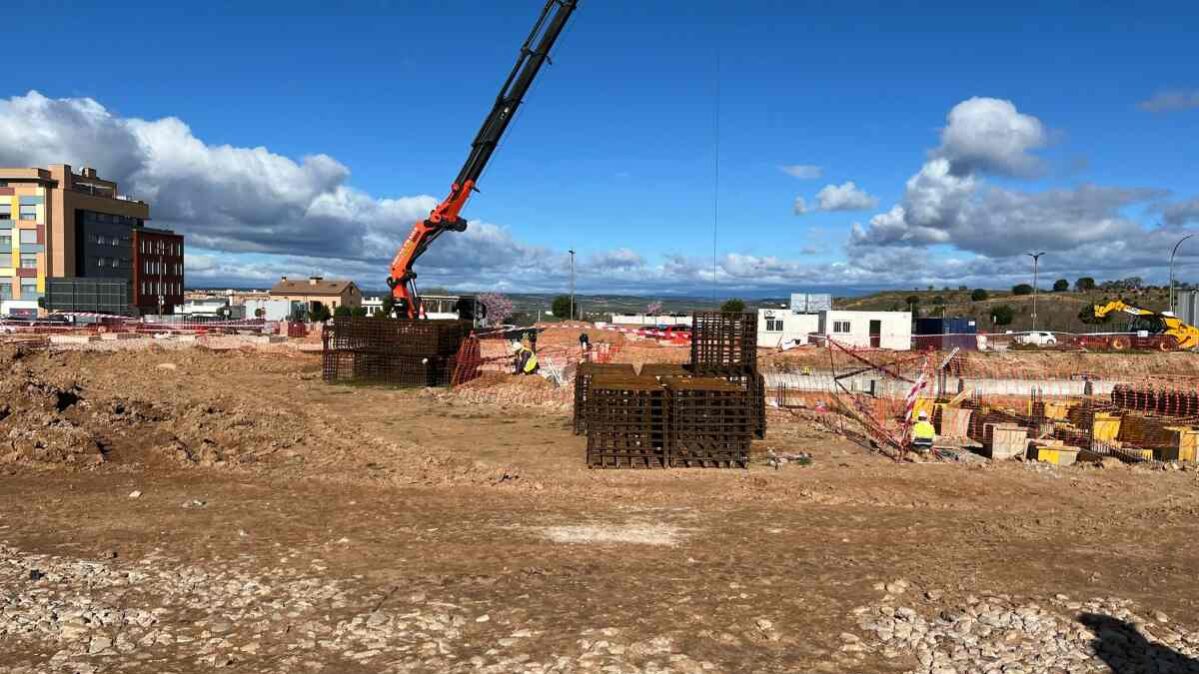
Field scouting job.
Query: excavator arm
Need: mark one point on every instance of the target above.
(1102, 310)
(446, 215)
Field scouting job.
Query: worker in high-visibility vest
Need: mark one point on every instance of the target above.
(923, 433)
(526, 359)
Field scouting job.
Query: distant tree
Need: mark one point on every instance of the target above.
(963, 288)
(358, 311)
(912, 300)
(259, 312)
(1061, 285)
(654, 308)
(1087, 315)
(930, 288)
(1002, 315)
(561, 307)
(733, 306)
(343, 310)
(319, 313)
(498, 308)
(1084, 283)
(389, 306)
(939, 300)
(1022, 289)
(979, 295)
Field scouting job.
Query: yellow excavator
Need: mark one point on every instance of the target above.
(1167, 332)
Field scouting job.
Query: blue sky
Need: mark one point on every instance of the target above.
(614, 151)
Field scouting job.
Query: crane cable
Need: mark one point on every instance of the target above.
(716, 174)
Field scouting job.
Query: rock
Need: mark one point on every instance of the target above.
(1161, 617)
(99, 643)
(933, 595)
(195, 503)
(135, 494)
(483, 618)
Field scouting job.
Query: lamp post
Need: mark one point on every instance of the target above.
(1174, 252)
(1036, 259)
(572, 285)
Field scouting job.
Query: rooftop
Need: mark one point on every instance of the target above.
(313, 285)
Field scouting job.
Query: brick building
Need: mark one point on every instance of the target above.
(157, 270)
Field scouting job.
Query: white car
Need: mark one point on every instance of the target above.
(1037, 338)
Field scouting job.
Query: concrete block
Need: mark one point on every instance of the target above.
(73, 339)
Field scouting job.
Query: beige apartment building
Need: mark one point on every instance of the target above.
(58, 223)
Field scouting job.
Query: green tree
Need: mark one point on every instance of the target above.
(979, 295)
(912, 300)
(733, 306)
(259, 312)
(1022, 289)
(343, 310)
(319, 313)
(938, 300)
(358, 311)
(389, 306)
(1084, 283)
(1061, 285)
(1002, 315)
(561, 307)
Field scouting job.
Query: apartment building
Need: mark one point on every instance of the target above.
(59, 224)
(157, 270)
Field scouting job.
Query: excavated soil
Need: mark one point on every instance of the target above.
(188, 510)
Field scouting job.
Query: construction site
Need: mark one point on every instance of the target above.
(838, 484)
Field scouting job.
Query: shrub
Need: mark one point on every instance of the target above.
(979, 295)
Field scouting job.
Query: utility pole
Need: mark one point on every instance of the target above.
(1036, 258)
(572, 284)
(1174, 309)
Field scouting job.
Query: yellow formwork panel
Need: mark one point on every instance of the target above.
(1107, 427)
(1058, 456)
(1187, 447)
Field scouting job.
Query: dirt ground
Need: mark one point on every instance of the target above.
(189, 510)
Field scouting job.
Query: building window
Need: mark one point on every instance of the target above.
(29, 211)
(100, 262)
(5, 211)
(28, 287)
(6, 240)
(774, 325)
(28, 236)
(116, 262)
(5, 289)
(841, 327)
(28, 261)
(5, 259)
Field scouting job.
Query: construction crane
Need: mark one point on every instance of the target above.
(1169, 331)
(445, 216)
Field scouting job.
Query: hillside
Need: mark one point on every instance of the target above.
(1055, 310)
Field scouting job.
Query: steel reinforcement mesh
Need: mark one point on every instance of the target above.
(583, 377)
(393, 352)
(627, 418)
(724, 343)
(385, 368)
(1168, 402)
(389, 335)
(712, 423)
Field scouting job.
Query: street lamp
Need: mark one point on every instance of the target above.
(572, 284)
(1173, 252)
(1036, 259)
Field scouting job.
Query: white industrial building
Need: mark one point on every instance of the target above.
(272, 309)
(784, 329)
(869, 329)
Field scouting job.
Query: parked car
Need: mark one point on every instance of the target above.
(1037, 338)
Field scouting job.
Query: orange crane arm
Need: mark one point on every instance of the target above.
(446, 215)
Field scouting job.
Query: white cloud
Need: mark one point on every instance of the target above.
(845, 197)
(989, 135)
(948, 202)
(803, 171)
(1171, 101)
